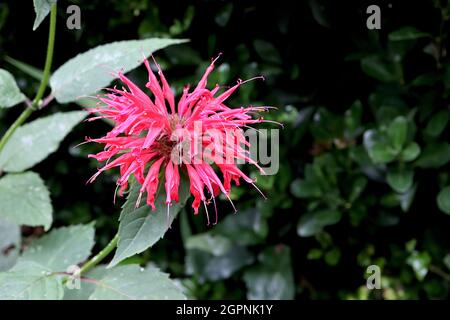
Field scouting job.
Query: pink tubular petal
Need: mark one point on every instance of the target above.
(150, 184)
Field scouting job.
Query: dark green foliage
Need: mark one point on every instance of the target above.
(364, 153)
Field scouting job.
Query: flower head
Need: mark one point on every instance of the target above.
(155, 137)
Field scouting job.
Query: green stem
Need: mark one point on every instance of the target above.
(91, 263)
(48, 65)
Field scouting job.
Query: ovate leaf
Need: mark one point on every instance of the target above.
(10, 94)
(443, 200)
(434, 155)
(42, 9)
(91, 71)
(397, 132)
(410, 152)
(134, 283)
(206, 266)
(379, 69)
(214, 244)
(314, 222)
(380, 152)
(140, 228)
(62, 247)
(419, 262)
(34, 141)
(25, 200)
(400, 180)
(437, 123)
(407, 33)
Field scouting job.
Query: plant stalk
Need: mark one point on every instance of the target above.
(91, 263)
(43, 85)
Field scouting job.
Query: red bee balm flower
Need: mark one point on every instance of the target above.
(153, 135)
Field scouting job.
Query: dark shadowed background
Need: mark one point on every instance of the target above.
(345, 196)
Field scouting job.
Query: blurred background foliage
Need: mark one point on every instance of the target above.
(364, 153)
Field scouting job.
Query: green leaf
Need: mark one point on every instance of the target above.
(437, 123)
(443, 200)
(375, 67)
(267, 51)
(134, 283)
(273, 278)
(42, 9)
(447, 261)
(358, 187)
(397, 132)
(419, 261)
(33, 142)
(333, 256)
(313, 222)
(62, 247)
(434, 155)
(205, 266)
(9, 244)
(247, 227)
(25, 200)
(407, 198)
(10, 94)
(30, 281)
(25, 68)
(214, 244)
(428, 79)
(381, 153)
(407, 33)
(305, 189)
(90, 71)
(410, 152)
(140, 228)
(400, 180)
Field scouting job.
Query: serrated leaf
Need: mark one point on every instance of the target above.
(131, 282)
(30, 281)
(10, 239)
(25, 200)
(10, 94)
(34, 141)
(62, 247)
(42, 9)
(140, 228)
(443, 200)
(90, 71)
